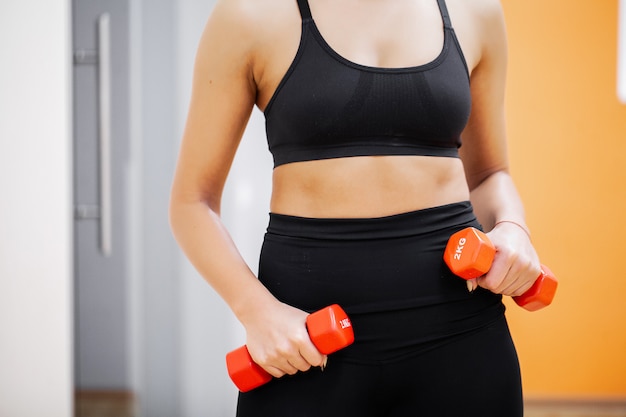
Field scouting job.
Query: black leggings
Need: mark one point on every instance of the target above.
(423, 346)
(475, 376)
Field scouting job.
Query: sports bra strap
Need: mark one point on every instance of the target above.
(305, 11)
(444, 13)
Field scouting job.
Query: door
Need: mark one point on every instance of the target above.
(101, 153)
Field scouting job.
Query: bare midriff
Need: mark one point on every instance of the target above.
(367, 187)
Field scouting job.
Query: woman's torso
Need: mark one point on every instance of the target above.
(379, 35)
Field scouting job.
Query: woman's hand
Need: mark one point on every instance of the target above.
(278, 341)
(516, 264)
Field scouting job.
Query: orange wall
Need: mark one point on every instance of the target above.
(567, 134)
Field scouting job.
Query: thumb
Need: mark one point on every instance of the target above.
(472, 284)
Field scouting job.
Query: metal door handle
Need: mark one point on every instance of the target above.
(104, 131)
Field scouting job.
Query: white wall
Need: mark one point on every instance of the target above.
(157, 292)
(35, 209)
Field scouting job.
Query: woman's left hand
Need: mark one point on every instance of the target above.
(516, 264)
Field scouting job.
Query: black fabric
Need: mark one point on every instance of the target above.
(384, 272)
(476, 375)
(420, 336)
(444, 13)
(305, 11)
(329, 107)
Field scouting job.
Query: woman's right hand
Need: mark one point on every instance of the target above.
(278, 341)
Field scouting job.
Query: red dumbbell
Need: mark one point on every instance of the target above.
(469, 254)
(330, 329)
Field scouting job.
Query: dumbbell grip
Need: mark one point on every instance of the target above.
(330, 329)
(469, 254)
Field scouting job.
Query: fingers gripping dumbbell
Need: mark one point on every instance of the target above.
(330, 330)
(469, 254)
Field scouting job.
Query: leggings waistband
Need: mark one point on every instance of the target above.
(394, 226)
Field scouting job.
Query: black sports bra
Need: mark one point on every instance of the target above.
(329, 107)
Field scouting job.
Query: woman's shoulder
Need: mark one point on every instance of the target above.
(477, 12)
(478, 8)
(256, 18)
(489, 22)
(480, 26)
(257, 38)
(248, 30)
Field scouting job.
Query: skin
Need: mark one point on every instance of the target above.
(245, 50)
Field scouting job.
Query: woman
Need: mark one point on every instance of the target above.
(366, 103)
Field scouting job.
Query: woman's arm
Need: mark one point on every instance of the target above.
(484, 153)
(223, 95)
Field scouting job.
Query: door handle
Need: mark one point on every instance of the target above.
(104, 131)
(102, 59)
